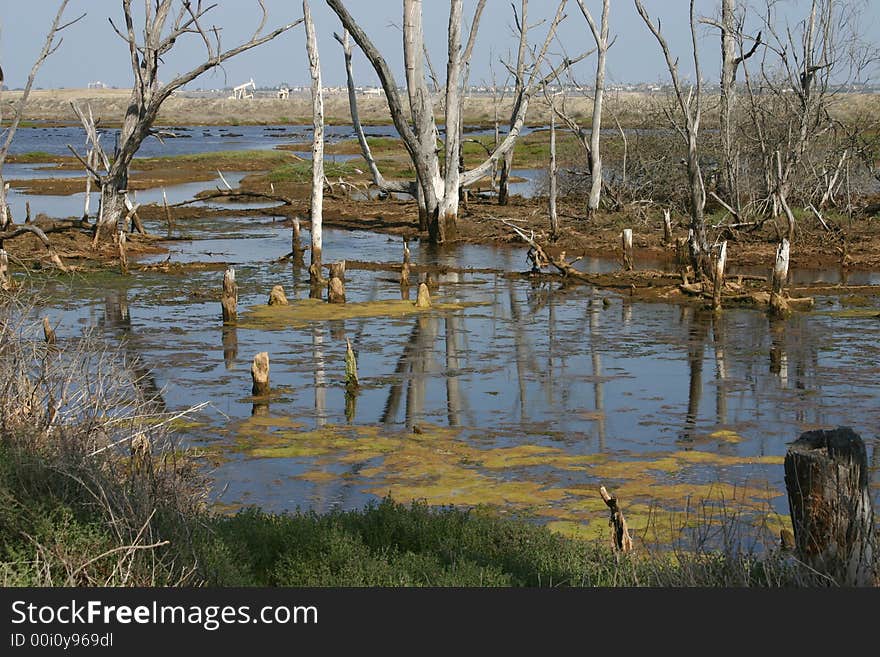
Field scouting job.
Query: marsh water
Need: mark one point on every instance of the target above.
(513, 394)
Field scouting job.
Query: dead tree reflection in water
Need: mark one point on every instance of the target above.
(320, 376)
(718, 340)
(453, 365)
(117, 318)
(413, 367)
(524, 355)
(778, 352)
(698, 331)
(229, 337)
(598, 383)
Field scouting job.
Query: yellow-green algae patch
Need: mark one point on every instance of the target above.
(442, 466)
(726, 435)
(300, 312)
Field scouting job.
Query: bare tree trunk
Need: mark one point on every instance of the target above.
(728, 97)
(317, 197)
(449, 205)
(691, 105)
(600, 35)
(522, 22)
(554, 170)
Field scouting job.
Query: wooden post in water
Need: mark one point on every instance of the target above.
(120, 243)
(826, 476)
(720, 262)
(48, 331)
(351, 369)
(621, 541)
(27, 212)
(168, 218)
(229, 297)
(424, 298)
(335, 287)
(404, 271)
(667, 227)
(778, 305)
(627, 245)
(277, 296)
(260, 375)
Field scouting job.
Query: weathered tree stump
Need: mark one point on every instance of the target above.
(621, 541)
(406, 253)
(720, 262)
(48, 331)
(337, 270)
(682, 254)
(404, 275)
(826, 476)
(260, 374)
(667, 227)
(779, 306)
(335, 290)
(424, 298)
(316, 281)
(229, 297)
(626, 238)
(277, 296)
(295, 239)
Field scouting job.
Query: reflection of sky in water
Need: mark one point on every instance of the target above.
(533, 365)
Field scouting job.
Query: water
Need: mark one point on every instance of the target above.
(527, 399)
(518, 395)
(191, 140)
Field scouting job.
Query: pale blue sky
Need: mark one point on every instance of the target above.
(91, 51)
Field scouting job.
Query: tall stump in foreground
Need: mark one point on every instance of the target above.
(826, 475)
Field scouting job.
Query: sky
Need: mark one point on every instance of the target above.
(91, 51)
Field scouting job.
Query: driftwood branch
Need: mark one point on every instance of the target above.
(621, 540)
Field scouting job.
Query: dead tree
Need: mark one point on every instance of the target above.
(163, 29)
(439, 187)
(826, 476)
(600, 36)
(522, 26)
(317, 196)
(690, 103)
(553, 172)
(731, 28)
(49, 46)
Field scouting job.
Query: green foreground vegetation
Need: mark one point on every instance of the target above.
(52, 534)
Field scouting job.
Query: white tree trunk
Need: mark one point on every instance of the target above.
(554, 217)
(449, 204)
(317, 197)
(600, 35)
